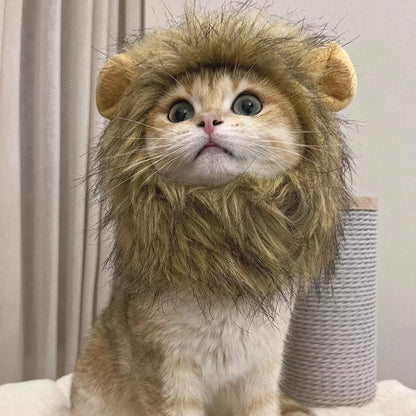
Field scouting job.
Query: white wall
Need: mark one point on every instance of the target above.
(385, 146)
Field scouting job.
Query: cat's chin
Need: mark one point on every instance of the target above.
(212, 168)
(219, 180)
(215, 168)
(213, 179)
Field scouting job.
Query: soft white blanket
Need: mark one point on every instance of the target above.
(51, 398)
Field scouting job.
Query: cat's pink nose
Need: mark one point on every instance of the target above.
(209, 121)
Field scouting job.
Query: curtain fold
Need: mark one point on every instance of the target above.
(11, 319)
(75, 114)
(52, 251)
(40, 182)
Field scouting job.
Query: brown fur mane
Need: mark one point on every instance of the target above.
(251, 238)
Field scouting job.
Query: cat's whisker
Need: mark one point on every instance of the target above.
(256, 155)
(278, 158)
(160, 146)
(177, 81)
(277, 149)
(134, 165)
(249, 71)
(308, 146)
(158, 137)
(169, 162)
(320, 148)
(121, 154)
(257, 140)
(134, 174)
(268, 144)
(141, 160)
(298, 155)
(160, 169)
(178, 165)
(142, 124)
(259, 151)
(125, 170)
(267, 154)
(132, 139)
(301, 130)
(154, 159)
(242, 173)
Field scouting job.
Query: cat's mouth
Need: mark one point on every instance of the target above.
(213, 148)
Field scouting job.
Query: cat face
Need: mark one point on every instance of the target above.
(215, 125)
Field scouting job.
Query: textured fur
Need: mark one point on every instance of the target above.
(189, 259)
(269, 232)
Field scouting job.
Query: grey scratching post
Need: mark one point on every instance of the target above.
(330, 352)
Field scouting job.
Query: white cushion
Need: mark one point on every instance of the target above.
(51, 398)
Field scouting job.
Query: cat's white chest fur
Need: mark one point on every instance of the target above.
(224, 343)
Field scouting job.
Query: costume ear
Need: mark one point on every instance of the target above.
(334, 73)
(113, 80)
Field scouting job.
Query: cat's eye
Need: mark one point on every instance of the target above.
(180, 111)
(247, 105)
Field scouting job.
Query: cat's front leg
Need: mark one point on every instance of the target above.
(182, 388)
(258, 392)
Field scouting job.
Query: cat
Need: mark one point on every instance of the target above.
(222, 193)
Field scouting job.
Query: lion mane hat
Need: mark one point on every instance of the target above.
(252, 237)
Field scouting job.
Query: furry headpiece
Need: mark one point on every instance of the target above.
(250, 238)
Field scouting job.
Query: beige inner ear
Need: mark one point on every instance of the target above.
(114, 79)
(334, 73)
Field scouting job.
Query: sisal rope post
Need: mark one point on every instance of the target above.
(330, 351)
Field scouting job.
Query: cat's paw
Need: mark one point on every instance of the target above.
(301, 411)
(290, 407)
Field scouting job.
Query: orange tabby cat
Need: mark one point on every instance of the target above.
(213, 126)
(223, 169)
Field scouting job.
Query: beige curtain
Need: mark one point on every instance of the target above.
(51, 252)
